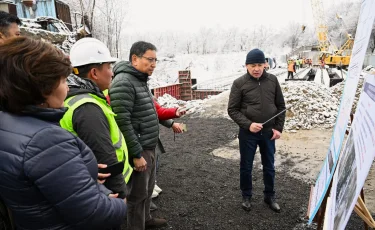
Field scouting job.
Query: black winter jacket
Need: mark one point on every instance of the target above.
(131, 100)
(257, 100)
(48, 176)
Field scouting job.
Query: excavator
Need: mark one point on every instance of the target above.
(330, 55)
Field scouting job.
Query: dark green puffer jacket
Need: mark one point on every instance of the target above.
(136, 117)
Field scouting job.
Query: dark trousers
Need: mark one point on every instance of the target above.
(140, 187)
(248, 145)
(290, 73)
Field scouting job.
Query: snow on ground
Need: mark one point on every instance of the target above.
(212, 71)
(203, 67)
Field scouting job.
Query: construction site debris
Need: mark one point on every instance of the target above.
(193, 106)
(313, 106)
(49, 29)
(338, 90)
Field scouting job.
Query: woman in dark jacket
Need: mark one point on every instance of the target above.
(48, 176)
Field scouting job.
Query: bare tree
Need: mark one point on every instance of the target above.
(188, 45)
(204, 35)
(243, 41)
(109, 22)
(294, 32)
(87, 12)
(229, 38)
(92, 15)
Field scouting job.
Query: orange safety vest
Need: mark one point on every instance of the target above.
(291, 66)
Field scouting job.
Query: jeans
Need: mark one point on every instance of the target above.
(248, 144)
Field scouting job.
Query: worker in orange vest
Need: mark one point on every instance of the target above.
(291, 68)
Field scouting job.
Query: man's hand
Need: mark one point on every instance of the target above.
(276, 134)
(255, 127)
(102, 176)
(180, 112)
(113, 195)
(140, 164)
(177, 127)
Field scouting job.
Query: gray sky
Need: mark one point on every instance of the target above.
(190, 15)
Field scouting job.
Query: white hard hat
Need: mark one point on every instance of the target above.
(89, 51)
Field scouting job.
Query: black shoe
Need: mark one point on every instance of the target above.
(246, 204)
(155, 223)
(153, 207)
(272, 203)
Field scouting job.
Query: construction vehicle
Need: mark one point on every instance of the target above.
(330, 55)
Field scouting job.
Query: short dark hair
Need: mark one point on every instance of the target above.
(83, 71)
(139, 48)
(30, 71)
(6, 19)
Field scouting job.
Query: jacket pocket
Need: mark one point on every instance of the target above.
(269, 110)
(252, 114)
(137, 130)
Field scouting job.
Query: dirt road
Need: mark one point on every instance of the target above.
(199, 176)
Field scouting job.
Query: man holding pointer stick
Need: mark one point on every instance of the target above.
(255, 98)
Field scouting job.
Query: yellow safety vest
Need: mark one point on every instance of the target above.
(117, 137)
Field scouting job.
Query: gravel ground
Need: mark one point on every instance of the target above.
(201, 191)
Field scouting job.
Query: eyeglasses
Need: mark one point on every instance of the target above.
(151, 60)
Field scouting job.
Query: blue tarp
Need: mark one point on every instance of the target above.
(42, 8)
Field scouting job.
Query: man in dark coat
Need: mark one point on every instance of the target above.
(137, 119)
(255, 98)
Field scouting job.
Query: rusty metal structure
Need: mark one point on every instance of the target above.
(184, 89)
(8, 6)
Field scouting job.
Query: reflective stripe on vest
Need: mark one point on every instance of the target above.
(118, 141)
(118, 144)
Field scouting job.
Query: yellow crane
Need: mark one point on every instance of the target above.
(330, 54)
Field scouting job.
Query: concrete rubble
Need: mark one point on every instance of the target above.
(338, 89)
(313, 106)
(62, 38)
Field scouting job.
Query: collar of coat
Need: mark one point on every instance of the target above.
(127, 67)
(45, 114)
(141, 76)
(79, 85)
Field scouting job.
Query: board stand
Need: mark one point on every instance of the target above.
(360, 207)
